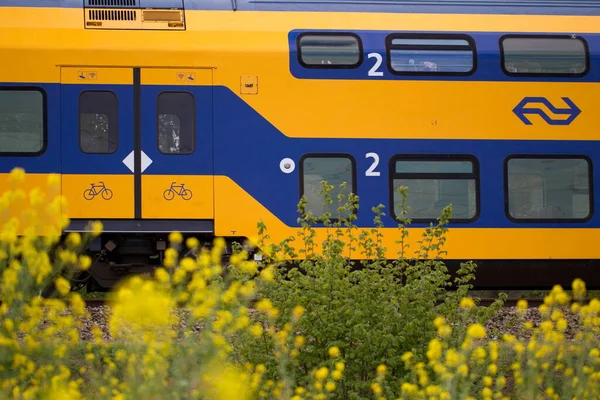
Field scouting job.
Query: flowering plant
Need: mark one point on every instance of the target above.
(202, 329)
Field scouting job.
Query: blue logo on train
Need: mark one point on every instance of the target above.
(528, 106)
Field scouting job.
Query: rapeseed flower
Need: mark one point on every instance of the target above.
(467, 303)
(476, 331)
(334, 352)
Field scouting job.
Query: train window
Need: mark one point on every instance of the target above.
(329, 50)
(431, 54)
(544, 55)
(176, 123)
(98, 122)
(335, 169)
(22, 121)
(548, 188)
(433, 183)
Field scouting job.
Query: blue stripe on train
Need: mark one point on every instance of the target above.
(248, 149)
(488, 60)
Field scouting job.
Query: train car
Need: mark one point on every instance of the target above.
(208, 116)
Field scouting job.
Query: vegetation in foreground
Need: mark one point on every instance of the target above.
(322, 330)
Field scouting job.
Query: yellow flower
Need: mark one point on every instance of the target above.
(162, 275)
(256, 329)
(140, 307)
(224, 382)
(63, 286)
(435, 350)
(73, 239)
(17, 175)
(479, 353)
(188, 264)
(376, 388)
(452, 358)
(409, 388)
(192, 243)
(444, 331)
(406, 357)
(439, 321)
(96, 228)
(476, 331)
(494, 351)
(467, 303)
(336, 375)
(297, 312)
(264, 305)
(85, 262)
(175, 237)
(77, 303)
(381, 369)
(299, 341)
(433, 390)
(579, 289)
(522, 305)
(330, 386)
(334, 352)
(267, 274)
(321, 373)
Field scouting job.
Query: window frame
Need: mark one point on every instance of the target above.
(548, 156)
(431, 36)
(194, 125)
(329, 66)
(348, 156)
(543, 75)
(44, 120)
(116, 114)
(475, 175)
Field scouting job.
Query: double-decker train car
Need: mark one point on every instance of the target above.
(207, 116)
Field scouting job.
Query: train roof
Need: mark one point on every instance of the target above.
(505, 7)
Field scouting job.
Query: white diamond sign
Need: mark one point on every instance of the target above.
(130, 163)
(146, 161)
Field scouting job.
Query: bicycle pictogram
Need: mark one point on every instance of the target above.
(180, 190)
(93, 191)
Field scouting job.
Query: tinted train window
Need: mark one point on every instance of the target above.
(544, 56)
(333, 169)
(433, 184)
(431, 54)
(549, 188)
(333, 50)
(22, 124)
(98, 122)
(176, 123)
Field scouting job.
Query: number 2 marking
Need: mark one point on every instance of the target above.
(371, 171)
(378, 59)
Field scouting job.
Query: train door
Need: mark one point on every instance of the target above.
(176, 145)
(97, 128)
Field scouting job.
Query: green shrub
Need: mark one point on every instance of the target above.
(373, 312)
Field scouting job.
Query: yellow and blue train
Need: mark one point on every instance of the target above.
(206, 116)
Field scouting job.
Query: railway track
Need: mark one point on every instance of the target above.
(531, 302)
(91, 303)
